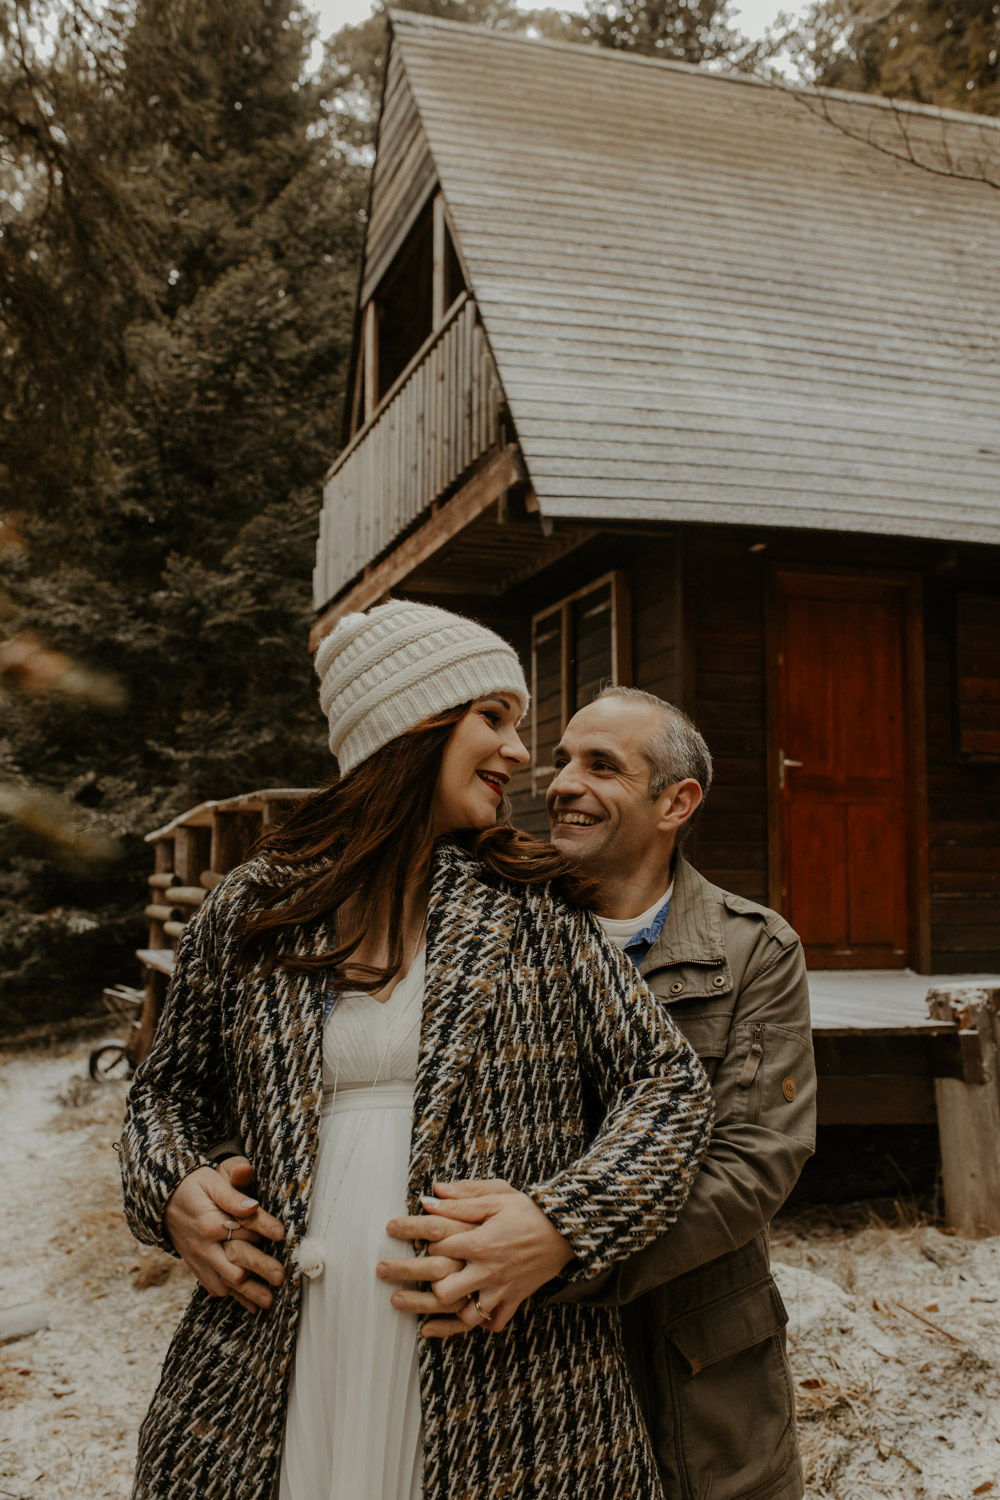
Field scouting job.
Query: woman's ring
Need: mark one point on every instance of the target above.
(486, 1317)
(230, 1225)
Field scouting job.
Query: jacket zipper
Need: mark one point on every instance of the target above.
(750, 1073)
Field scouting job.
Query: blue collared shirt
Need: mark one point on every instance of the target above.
(639, 944)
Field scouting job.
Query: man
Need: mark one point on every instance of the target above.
(702, 1320)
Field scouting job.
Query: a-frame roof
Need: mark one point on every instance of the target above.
(712, 299)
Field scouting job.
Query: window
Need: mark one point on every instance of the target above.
(404, 302)
(411, 301)
(977, 642)
(577, 647)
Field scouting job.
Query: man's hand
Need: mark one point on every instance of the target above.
(197, 1217)
(509, 1247)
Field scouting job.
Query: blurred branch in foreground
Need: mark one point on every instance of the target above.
(28, 667)
(56, 820)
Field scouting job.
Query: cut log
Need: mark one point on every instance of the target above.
(174, 929)
(188, 895)
(210, 879)
(157, 913)
(163, 880)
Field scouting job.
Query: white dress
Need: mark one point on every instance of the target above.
(353, 1426)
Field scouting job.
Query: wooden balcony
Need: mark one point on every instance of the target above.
(433, 425)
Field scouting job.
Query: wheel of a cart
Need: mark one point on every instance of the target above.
(110, 1061)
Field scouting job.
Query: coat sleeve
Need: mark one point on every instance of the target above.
(633, 1180)
(177, 1106)
(761, 1141)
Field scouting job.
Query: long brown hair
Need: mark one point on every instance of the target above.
(370, 833)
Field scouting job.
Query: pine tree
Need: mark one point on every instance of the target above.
(943, 52)
(691, 31)
(177, 273)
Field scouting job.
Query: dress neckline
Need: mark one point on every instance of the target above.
(415, 971)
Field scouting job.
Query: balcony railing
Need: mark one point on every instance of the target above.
(437, 419)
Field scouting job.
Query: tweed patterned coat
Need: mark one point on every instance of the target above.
(534, 1028)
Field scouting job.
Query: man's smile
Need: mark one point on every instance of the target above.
(581, 819)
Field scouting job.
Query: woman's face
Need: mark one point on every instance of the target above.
(481, 755)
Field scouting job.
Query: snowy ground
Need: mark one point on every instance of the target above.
(895, 1332)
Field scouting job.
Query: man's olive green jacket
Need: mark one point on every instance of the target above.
(703, 1320)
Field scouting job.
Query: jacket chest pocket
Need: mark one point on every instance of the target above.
(732, 1396)
(708, 1034)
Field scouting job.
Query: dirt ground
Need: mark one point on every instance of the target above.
(894, 1329)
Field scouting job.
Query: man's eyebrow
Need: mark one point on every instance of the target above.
(592, 752)
(596, 753)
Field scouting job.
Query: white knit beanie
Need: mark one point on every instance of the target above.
(386, 671)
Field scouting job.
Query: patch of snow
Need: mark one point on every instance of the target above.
(894, 1333)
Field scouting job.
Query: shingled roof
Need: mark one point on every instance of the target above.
(713, 299)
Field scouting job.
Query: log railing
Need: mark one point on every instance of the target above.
(437, 419)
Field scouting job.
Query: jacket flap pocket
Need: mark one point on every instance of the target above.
(708, 1035)
(720, 1329)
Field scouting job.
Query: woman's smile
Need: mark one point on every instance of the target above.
(495, 780)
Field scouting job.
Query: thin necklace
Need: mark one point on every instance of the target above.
(310, 1253)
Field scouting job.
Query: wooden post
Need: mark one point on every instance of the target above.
(232, 835)
(369, 330)
(153, 995)
(969, 1113)
(440, 258)
(191, 847)
(164, 856)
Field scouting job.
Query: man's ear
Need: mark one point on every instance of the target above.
(676, 804)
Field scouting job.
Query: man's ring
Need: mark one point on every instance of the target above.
(230, 1224)
(486, 1317)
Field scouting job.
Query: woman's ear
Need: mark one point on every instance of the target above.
(677, 803)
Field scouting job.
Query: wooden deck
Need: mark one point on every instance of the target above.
(848, 1000)
(881, 1056)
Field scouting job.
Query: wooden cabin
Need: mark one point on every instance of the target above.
(692, 382)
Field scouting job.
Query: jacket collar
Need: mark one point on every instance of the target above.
(470, 923)
(692, 933)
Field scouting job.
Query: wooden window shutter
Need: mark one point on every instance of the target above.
(548, 636)
(977, 640)
(577, 645)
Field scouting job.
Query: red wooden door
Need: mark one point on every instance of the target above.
(842, 769)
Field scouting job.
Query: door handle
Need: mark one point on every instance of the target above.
(784, 761)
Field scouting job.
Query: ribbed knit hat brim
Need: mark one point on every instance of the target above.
(387, 671)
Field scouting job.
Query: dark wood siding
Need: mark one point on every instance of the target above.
(963, 811)
(656, 657)
(725, 695)
(977, 653)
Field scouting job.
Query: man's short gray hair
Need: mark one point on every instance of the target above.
(676, 751)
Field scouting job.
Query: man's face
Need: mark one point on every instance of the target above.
(598, 801)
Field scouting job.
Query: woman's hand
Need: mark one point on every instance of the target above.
(509, 1247)
(197, 1219)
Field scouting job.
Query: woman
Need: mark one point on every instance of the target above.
(516, 1026)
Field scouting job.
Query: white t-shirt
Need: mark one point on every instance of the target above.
(621, 933)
